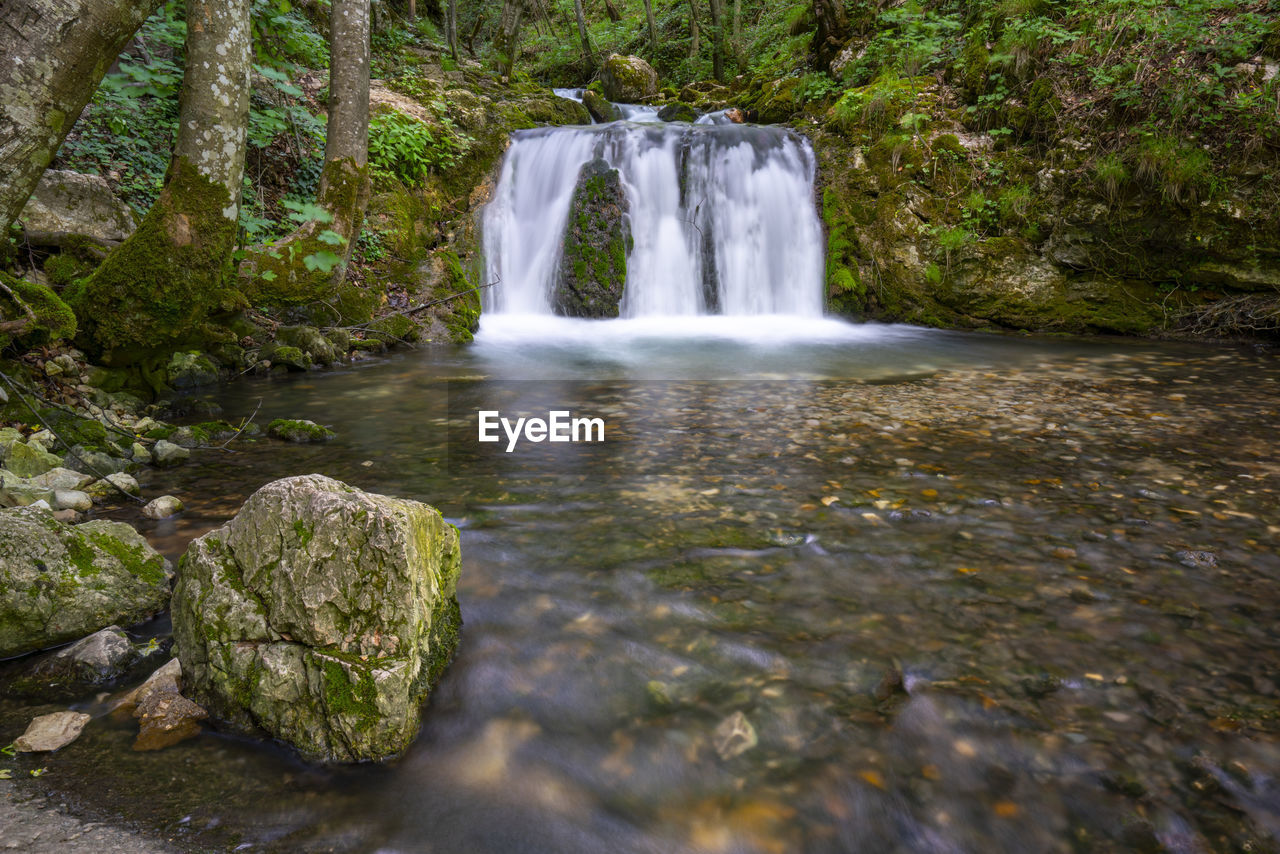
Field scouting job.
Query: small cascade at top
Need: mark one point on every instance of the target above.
(722, 216)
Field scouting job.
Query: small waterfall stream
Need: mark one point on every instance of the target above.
(722, 215)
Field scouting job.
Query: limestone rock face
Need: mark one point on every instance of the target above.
(77, 204)
(593, 266)
(628, 79)
(60, 583)
(320, 615)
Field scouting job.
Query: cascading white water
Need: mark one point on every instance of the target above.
(722, 215)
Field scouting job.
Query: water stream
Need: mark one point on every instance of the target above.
(971, 593)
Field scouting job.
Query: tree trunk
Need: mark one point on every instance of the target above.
(55, 55)
(832, 31)
(301, 268)
(614, 14)
(717, 39)
(653, 27)
(344, 183)
(587, 56)
(413, 9)
(451, 28)
(507, 38)
(157, 289)
(693, 28)
(739, 54)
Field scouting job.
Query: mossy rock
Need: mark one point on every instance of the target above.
(593, 265)
(299, 431)
(190, 369)
(64, 268)
(43, 317)
(343, 682)
(289, 357)
(309, 340)
(394, 329)
(59, 582)
(678, 112)
(600, 107)
(628, 79)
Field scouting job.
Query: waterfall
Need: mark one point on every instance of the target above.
(722, 215)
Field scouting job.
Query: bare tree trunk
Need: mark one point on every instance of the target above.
(507, 38)
(55, 54)
(739, 54)
(344, 183)
(413, 9)
(832, 31)
(587, 55)
(157, 289)
(614, 14)
(653, 27)
(282, 274)
(717, 39)
(451, 28)
(693, 28)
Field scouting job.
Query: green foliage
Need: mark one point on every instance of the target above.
(1180, 171)
(407, 149)
(1112, 174)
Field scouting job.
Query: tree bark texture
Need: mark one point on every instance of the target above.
(693, 28)
(653, 27)
(717, 39)
(158, 288)
(832, 30)
(507, 38)
(451, 28)
(582, 32)
(55, 55)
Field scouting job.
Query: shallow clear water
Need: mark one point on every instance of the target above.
(1066, 549)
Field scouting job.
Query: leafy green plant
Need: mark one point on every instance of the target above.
(408, 150)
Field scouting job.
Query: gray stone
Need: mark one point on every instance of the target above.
(139, 454)
(61, 478)
(61, 583)
(352, 617)
(50, 732)
(93, 662)
(166, 454)
(94, 462)
(628, 79)
(72, 499)
(112, 485)
(162, 507)
(78, 204)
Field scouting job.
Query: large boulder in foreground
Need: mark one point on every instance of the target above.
(59, 583)
(628, 79)
(593, 263)
(320, 615)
